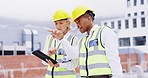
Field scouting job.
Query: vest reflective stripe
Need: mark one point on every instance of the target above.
(91, 53)
(59, 60)
(50, 42)
(47, 43)
(104, 71)
(63, 76)
(97, 65)
(58, 72)
(69, 38)
(97, 61)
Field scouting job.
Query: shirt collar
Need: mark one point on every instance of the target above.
(93, 28)
(67, 35)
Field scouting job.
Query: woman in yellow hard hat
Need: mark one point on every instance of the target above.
(56, 46)
(99, 49)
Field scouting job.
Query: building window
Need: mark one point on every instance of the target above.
(124, 42)
(135, 14)
(0, 52)
(135, 2)
(105, 23)
(112, 25)
(126, 24)
(128, 3)
(143, 22)
(139, 40)
(142, 13)
(129, 15)
(20, 52)
(7, 52)
(134, 23)
(119, 24)
(142, 2)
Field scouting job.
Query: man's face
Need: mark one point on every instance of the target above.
(82, 23)
(62, 25)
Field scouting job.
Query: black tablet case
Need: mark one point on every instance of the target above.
(43, 56)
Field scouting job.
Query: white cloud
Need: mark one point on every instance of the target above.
(44, 9)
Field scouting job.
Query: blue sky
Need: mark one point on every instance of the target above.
(42, 10)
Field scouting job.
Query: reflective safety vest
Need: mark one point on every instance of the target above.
(60, 56)
(93, 59)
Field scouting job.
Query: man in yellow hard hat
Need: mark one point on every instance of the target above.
(56, 47)
(99, 49)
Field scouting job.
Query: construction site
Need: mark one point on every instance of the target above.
(17, 41)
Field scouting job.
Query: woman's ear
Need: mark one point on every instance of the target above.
(68, 22)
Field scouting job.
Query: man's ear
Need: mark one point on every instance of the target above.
(89, 18)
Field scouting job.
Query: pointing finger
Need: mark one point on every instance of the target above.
(50, 30)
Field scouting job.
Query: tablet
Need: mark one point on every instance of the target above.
(43, 56)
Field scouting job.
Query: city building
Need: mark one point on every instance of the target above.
(132, 29)
(21, 39)
(16, 45)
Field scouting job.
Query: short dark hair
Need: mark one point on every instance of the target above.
(91, 14)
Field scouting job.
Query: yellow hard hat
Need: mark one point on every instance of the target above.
(79, 10)
(60, 14)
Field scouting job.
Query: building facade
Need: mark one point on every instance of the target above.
(133, 28)
(21, 39)
(132, 31)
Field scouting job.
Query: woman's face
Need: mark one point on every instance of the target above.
(62, 25)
